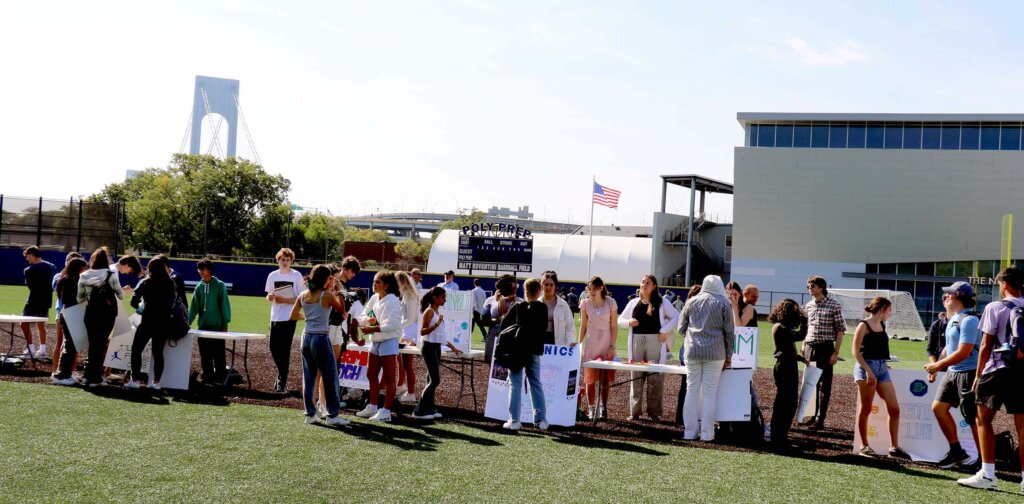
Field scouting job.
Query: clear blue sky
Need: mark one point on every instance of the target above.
(425, 106)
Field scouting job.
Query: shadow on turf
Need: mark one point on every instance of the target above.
(606, 444)
(404, 439)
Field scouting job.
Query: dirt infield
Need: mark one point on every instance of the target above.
(834, 443)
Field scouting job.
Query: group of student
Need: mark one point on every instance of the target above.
(980, 375)
(96, 283)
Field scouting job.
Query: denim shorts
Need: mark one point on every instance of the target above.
(384, 348)
(879, 367)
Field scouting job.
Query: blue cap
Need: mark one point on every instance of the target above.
(963, 288)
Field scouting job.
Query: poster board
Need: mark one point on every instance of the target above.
(559, 374)
(734, 400)
(808, 392)
(119, 352)
(74, 317)
(744, 353)
(458, 316)
(919, 434)
(352, 369)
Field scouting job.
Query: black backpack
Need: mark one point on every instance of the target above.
(102, 300)
(510, 349)
(177, 323)
(1013, 347)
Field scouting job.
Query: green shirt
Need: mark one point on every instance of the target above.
(210, 304)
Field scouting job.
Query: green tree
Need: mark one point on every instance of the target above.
(366, 235)
(325, 232)
(168, 209)
(412, 252)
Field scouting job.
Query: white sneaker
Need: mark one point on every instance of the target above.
(979, 480)
(382, 415)
(510, 425)
(367, 412)
(437, 416)
(67, 382)
(428, 416)
(543, 425)
(155, 386)
(321, 412)
(310, 419)
(402, 389)
(407, 398)
(337, 420)
(132, 384)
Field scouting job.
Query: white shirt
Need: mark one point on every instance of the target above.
(281, 312)
(452, 286)
(389, 317)
(479, 298)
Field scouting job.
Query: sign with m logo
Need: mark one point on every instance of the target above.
(744, 351)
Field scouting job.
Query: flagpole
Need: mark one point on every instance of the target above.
(590, 249)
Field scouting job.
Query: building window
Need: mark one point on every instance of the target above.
(893, 136)
(870, 283)
(969, 136)
(766, 135)
(1009, 138)
(887, 269)
(964, 269)
(801, 136)
(875, 136)
(932, 137)
(871, 268)
(989, 138)
(856, 135)
(753, 136)
(837, 137)
(944, 269)
(905, 269)
(926, 269)
(784, 135)
(819, 136)
(951, 137)
(912, 136)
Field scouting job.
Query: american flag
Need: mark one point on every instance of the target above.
(606, 196)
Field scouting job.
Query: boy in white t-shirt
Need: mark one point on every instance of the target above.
(283, 287)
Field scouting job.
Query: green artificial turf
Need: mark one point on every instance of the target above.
(67, 444)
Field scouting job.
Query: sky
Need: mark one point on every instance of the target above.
(384, 106)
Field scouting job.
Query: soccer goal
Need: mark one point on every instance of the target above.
(905, 321)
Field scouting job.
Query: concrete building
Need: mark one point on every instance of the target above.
(908, 202)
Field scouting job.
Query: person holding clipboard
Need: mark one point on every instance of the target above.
(283, 287)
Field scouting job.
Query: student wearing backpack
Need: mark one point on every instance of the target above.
(960, 363)
(100, 289)
(999, 375)
(159, 294)
(210, 304)
(532, 318)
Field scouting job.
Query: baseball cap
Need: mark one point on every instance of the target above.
(963, 288)
(449, 272)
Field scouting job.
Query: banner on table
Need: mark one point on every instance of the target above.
(119, 352)
(808, 395)
(919, 434)
(458, 315)
(559, 374)
(352, 369)
(744, 353)
(74, 317)
(177, 364)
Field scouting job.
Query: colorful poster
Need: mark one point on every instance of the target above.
(919, 434)
(560, 376)
(458, 315)
(744, 354)
(352, 369)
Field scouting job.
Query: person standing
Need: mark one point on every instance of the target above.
(532, 317)
(381, 319)
(573, 300)
(998, 377)
(870, 350)
(790, 326)
(937, 335)
(432, 330)
(681, 399)
(649, 320)
(449, 281)
(825, 329)
(283, 287)
(598, 334)
(314, 305)
(211, 305)
(410, 298)
(496, 308)
(129, 265)
(479, 298)
(708, 325)
(99, 288)
(417, 278)
(561, 327)
(38, 278)
(67, 291)
(179, 281)
(72, 293)
(159, 294)
(961, 364)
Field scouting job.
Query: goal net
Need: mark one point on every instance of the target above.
(904, 322)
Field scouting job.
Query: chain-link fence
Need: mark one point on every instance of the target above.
(59, 224)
